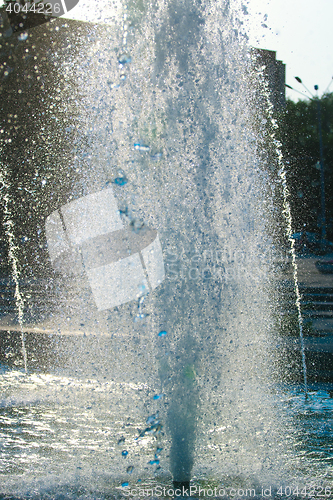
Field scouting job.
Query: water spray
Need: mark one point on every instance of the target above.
(286, 212)
(9, 226)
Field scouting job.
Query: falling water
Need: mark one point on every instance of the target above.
(157, 113)
(13, 259)
(287, 214)
(286, 211)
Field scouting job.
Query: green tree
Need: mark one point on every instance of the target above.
(299, 134)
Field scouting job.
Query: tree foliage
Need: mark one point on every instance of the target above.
(299, 134)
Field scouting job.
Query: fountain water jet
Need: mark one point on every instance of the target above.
(186, 96)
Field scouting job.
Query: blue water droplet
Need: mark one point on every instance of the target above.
(122, 76)
(124, 484)
(158, 450)
(123, 211)
(158, 396)
(124, 453)
(23, 36)
(121, 440)
(139, 480)
(124, 59)
(152, 419)
(120, 181)
(162, 333)
(154, 462)
(130, 469)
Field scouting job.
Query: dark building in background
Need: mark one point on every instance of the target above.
(275, 72)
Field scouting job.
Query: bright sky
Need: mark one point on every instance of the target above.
(301, 32)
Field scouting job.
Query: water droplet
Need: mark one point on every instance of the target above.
(158, 396)
(120, 181)
(154, 462)
(141, 147)
(130, 469)
(124, 484)
(122, 76)
(124, 59)
(124, 453)
(144, 290)
(123, 211)
(23, 36)
(162, 333)
(152, 419)
(113, 85)
(140, 317)
(121, 440)
(154, 428)
(158, 450)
